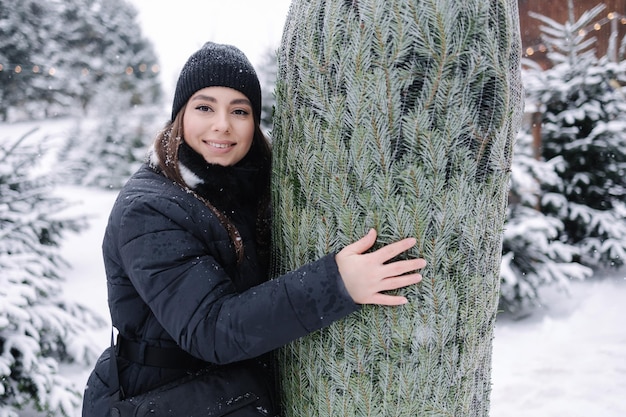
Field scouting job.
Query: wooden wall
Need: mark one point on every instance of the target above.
(558, 10)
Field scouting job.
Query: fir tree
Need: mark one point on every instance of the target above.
(57, 56)
(584, 137)
(537, 250)
(24, 27)
(104, 50)
(533, 255)
(397, 115)
(39, 328)
(106, 152)
(267, 77)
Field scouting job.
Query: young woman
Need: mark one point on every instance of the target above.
(186, 251)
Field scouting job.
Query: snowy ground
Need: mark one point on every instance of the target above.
(567, 360)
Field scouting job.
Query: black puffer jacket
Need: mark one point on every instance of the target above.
(174, 280)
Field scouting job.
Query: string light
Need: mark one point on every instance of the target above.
(51, 71)
(531, 50)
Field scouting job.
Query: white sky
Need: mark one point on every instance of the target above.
(178, 28)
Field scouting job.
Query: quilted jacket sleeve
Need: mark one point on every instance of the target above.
(164, 251)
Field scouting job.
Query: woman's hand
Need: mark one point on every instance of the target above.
(367, 275)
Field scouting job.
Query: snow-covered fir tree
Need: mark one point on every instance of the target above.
(24, 29)
(106, 151)
(267, 76)
(566, 207)
(58, 56)
(39, 328)
(533, 255)
(102, 69)
(105, 52)
(584, 137)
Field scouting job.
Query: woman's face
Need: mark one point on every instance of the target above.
(219, 125)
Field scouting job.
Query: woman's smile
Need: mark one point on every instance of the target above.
(220, 145)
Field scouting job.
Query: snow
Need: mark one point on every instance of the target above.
(567, 359)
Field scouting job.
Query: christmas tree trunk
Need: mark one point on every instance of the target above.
(397, 115)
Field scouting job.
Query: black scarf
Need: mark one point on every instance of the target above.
(241, 188)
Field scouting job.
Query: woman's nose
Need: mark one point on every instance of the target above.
(221, 122)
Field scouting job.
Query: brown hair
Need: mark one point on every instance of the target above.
(166, 146)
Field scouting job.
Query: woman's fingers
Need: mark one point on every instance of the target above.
(388, 284)
(388, 300)
(363, 244)
(394, 249)
(383, 254)
(402, 267)
(393, 283)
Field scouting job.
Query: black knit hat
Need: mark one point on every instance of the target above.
(216, 65)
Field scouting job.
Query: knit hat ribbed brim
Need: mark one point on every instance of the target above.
(217, 65)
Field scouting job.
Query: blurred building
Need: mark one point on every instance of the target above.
(612, 18)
